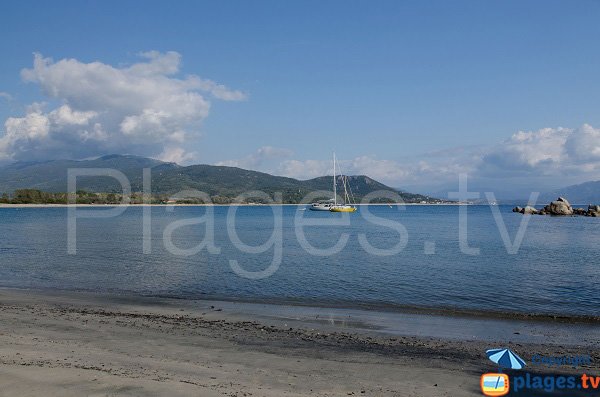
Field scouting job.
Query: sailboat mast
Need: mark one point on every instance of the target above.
(334, 187)
(346, 197)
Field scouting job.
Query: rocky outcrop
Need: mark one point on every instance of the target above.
(527, 210)
(560, 207)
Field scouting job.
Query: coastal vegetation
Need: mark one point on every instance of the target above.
(46, 183)
(34, 196)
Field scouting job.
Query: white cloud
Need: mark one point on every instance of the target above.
(583, 145)
(140, 109)
(258, 158)
(305, 169)
(64, 116)
(34, 125)
(175, 155)
(384, 170)
(5, 95)
(218, 90)
(556, 152)
(532, 151)
(528, 161)
(22, 131)
(395, 173)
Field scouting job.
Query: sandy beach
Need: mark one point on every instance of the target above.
(76, 344)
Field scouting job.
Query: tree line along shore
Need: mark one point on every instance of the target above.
(35, 196)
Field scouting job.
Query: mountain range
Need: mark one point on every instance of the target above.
(220, 182)
(581, 194)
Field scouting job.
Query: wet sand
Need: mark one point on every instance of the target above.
(75, 344)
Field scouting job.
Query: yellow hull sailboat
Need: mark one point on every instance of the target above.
(344, 207)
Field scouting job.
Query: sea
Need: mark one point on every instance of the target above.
(480, 258)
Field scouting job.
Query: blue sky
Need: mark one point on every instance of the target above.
(411, 93)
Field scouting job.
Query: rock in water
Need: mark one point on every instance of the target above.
(593, 210)
(564, 200)
(559, 207)
(529, 210)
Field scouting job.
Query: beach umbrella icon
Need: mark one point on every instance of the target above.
(505, 358)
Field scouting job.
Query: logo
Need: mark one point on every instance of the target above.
(499, 384)
(505, 358)
(493, 384)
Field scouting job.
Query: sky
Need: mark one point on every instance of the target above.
(411, 93)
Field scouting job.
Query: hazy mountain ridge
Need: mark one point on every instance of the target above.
(170, 178)
(51, 175)
(583, 193)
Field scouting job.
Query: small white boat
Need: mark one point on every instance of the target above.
(324, 205)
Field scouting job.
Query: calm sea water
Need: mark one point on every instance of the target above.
(556, 269)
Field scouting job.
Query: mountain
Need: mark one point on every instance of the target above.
(582, 194)
(221, 183)
(51, 176)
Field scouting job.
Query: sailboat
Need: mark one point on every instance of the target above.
(322, 205)
(332, 205)
(344, 206)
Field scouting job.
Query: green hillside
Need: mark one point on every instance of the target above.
(51, 176)
(223, 184)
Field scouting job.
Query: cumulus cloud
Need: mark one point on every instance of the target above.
(583, 145)
(142, 109)
(545, 152)
(548, 157)
(528, 151)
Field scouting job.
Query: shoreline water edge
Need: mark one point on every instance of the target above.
(68, 343)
